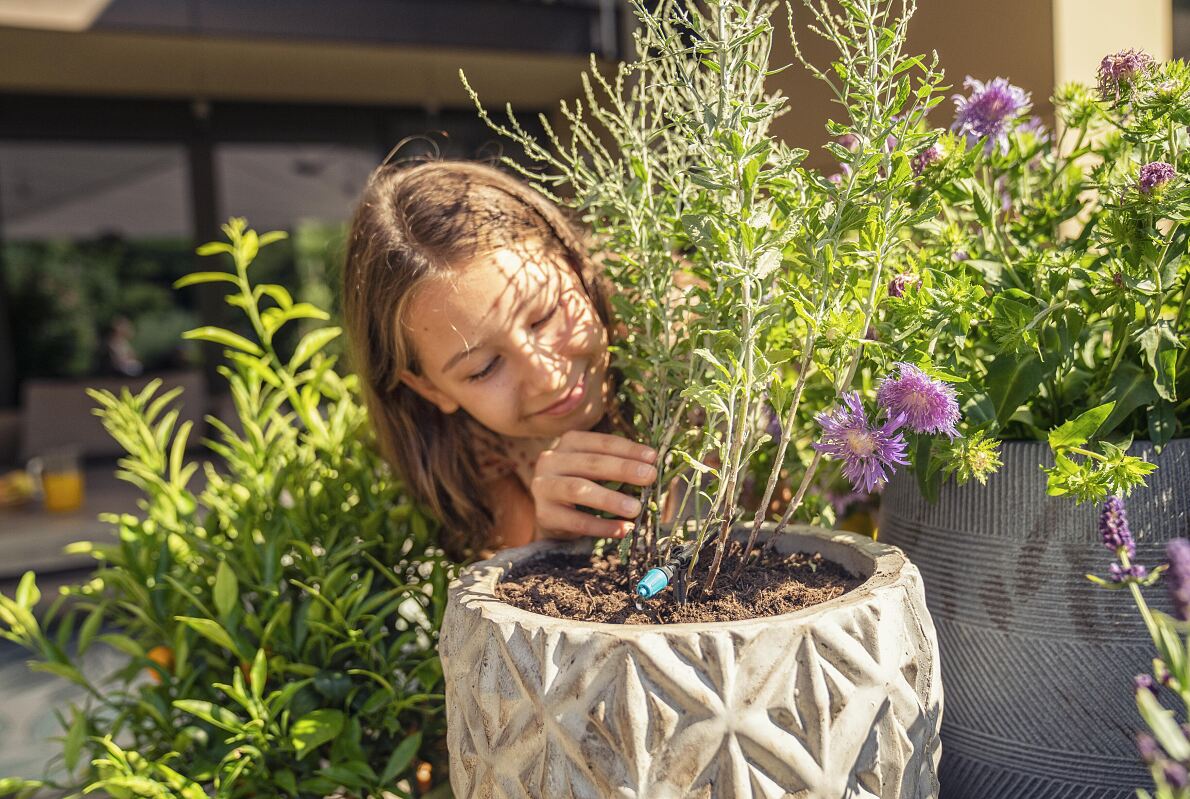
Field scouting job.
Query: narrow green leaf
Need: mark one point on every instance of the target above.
(400, 759)
(195, 278)
(209, 629)
(214, 248)
(225, 337)
(27, 594)
(227, 589)
(311, 343)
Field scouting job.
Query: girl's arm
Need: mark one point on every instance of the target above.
(513, 509)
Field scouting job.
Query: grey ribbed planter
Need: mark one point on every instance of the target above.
(1037, 661)
(840, 699)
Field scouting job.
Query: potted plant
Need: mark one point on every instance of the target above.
(277, 618)
(1053, 286)
(671, 163)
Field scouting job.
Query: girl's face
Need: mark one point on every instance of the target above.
(514, 340)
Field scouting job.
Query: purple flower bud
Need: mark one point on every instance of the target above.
(773, 428)
(926, 158)
(1177, 578)
(1113, 527)
(1118, 279)
(849, 141)
(1147, 748)
(1154, 175)
(989, 111)
(961, 255)
(1134, 572)
(1120, 69)
(901, 282)
(1144, 682)
(1175, 774)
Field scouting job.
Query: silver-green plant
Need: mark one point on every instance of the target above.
(673, 165)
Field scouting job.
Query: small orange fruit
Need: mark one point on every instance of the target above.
(163, 656)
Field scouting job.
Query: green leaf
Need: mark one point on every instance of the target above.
(227, 589)
(1160, 346)
(311, 343)
(63, 670)
(1013, 378)
(225, 337)
(214, 248)
(314, 729)
(1164, 726)
(27, 594)
(271, 236)
(75, 738)
(204, 277)
(401, 757)
(211, 713)
(1079, 430)
(209, 629)
(1131, 388)
(259, 673)
(1162, 423)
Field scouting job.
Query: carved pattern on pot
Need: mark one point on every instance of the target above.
(842, 699)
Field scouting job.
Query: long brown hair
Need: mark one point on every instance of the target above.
(415, 223)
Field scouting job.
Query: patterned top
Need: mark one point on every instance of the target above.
(498, 456)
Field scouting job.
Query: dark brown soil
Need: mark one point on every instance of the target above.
(590, 588)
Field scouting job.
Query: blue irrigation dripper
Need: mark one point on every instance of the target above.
(654, 581)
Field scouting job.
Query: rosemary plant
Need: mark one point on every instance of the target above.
(672, 164)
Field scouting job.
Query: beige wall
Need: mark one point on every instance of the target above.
(1036, 44)
(105, 63)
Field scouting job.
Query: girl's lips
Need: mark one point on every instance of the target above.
(570, 401)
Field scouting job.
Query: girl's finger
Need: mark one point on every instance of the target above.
(605, 444)
(597, 467)
(581, 491)
(557, 519)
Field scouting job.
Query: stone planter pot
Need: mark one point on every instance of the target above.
(1038, 662)
(840, 699)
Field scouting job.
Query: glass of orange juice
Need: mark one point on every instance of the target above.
(61, 480)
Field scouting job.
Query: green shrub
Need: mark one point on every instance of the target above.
(280, 623)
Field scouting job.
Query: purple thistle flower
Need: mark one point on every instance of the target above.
(870, 454)
(1121, 69)
(1177, 579)
(1113, 527)
(988, 112)
(926, 158)
(1154, 175)
(925, 404)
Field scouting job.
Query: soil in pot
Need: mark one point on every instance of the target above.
(592, 588)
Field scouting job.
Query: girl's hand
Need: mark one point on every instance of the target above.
(566, 476)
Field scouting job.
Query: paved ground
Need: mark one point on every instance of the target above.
(28, 700)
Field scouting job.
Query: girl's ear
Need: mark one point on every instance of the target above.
(425, 389)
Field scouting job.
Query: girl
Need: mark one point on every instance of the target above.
(479, 331)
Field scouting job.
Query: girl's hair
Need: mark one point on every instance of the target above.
(413, 224)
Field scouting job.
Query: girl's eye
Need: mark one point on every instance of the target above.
(487, 370)
(549, 315)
